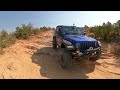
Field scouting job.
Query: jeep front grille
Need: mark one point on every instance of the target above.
(86, 45)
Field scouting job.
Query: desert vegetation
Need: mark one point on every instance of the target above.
(108, 32)
(21, 32)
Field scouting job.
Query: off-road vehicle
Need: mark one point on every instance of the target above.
(75, 45)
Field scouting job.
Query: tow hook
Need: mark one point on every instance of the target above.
(79, 53)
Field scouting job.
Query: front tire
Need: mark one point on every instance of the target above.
(66, 60)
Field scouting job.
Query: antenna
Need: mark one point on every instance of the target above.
(73, 24)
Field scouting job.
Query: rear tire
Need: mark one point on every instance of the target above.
(66, 60)
(54, 43)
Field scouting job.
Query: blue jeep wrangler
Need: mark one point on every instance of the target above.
(75, 45)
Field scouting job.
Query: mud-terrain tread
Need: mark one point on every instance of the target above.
(66, 60)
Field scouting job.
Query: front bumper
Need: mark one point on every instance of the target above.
(86, 54)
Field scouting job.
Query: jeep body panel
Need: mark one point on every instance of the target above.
(88, 46)
(78, 38)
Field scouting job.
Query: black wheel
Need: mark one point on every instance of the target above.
(66, 60)
(97, 57)
(54, 42)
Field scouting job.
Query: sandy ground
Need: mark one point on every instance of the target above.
(35, 59)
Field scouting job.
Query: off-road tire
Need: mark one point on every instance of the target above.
(66, 59)
(97, 57)
(54, 42)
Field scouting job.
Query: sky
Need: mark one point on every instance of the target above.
(9, 20)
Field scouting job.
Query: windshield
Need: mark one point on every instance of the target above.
(72, 31)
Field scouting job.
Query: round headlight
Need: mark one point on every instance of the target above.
(78, 45)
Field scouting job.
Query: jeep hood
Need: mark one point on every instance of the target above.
(78, 38)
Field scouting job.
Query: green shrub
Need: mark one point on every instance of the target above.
(12, 39)
(3, 35)
(24, 32)
(117, 50)
(6, 40)
(36, 31)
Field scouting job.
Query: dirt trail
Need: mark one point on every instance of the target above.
(35, 59)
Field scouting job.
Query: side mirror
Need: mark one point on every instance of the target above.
(59, 32)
